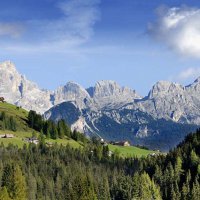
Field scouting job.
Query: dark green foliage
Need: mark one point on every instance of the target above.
(13, 182)
(7, 122)
(53, 129)
(59, 173)
(63, 129)
(35, 120)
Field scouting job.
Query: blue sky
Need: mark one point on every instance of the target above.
(134, 42)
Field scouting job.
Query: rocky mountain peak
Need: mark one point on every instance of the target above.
(107, 93)
(72, 92)
(106, 88)
(162, 88)
(74, 88)
(7, 65)
(16, 89)
(165, 100)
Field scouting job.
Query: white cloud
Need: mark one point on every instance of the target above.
(73, 28)
(179, 28)
(13, 30)
(187, 74)
(76, 26)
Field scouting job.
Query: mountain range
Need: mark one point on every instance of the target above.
(159, 120)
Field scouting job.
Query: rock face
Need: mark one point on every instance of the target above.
(72, 92)
(16, 89)
(109, 110)
(108, 94)
(174, 102)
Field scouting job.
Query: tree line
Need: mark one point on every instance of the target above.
(62, 172)
(51, 129)
(7, 122)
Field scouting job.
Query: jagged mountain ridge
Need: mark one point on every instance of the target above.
(16, 89)
(122, 106)
(166, 100)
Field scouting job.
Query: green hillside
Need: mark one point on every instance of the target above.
(20, 115)
(13, 110)
(130, 151)
(23, 131)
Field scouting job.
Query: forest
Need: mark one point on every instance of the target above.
(63, 172)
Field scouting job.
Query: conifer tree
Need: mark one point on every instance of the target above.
(186, 187)
(195, 194)
(194, 158)
(7, 177)
(178, 169)
(4, 194)
(32, 187)
(19, 185)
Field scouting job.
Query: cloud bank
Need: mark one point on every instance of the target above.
(179, 29)
(75, 26)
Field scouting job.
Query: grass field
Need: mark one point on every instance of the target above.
(12, 110)
(20, 135)
(65, 142)
(20, 116)
(130, 151)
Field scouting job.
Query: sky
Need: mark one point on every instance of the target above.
(134, 42)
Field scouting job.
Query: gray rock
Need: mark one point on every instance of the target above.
(106, 103)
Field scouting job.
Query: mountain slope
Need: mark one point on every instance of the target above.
(174, 102)
(23, 131)
(110, 110)
(124, 124)
(16, 89)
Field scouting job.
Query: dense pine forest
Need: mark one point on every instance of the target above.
(63, 172)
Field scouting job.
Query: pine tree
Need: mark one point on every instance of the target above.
(147, 188)
(198, 169)
(186, 187)
(61, 130)
(104, 191)
(194, 158)
(158, 175)
(12, 124)
(4, 194)
(178, 169)
(136, 186)
(19, 185)
(32, 187)
(58, 188)
(105, 152)
(54, 131)
(175, 194)
(195, 194)
(7, 177)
